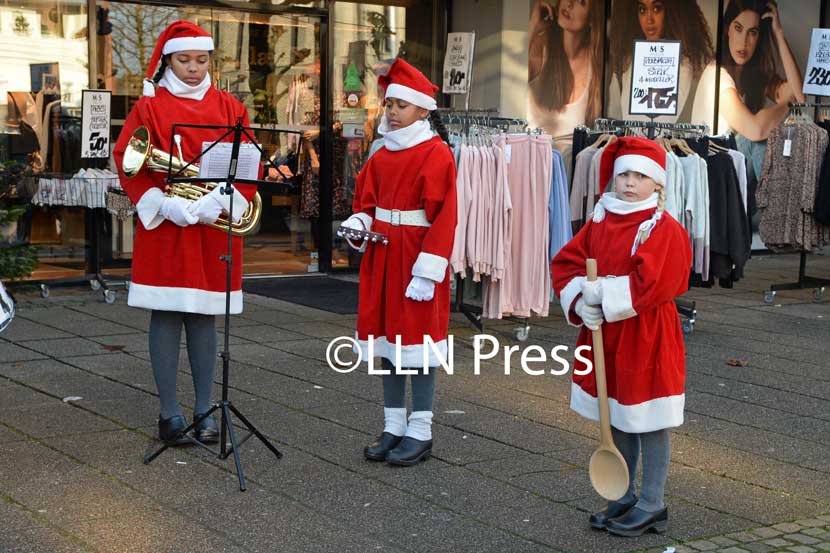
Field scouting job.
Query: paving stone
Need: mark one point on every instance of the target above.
(742, 537)
(733, 550)
(722, 541)
(802, 549)
(768, 532)
(823, 546)
(815, 532)
(801, 538)
(788, 527)
(703, 545)
(758, 547)
(778, 542)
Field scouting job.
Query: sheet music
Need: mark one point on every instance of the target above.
(215, 163)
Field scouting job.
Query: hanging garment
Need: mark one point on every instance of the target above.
(729, 237)
(787, 189)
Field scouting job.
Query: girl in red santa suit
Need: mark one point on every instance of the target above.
(177, 272)
(645, 256)
(406, 191)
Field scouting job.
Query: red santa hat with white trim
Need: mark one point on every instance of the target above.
(632, 153)
(405, 82)
(177, 37)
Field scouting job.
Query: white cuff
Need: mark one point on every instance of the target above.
(148, 208)
(240, 204)
(616, 299)
(365, 218)
(433, 267)
(568, 297)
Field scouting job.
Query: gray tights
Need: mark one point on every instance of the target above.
(394, 388)
(656, 450)
(165, 336)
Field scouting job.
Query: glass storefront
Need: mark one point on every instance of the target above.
(269, 58)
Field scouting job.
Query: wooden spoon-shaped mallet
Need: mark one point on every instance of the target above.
(608, 470)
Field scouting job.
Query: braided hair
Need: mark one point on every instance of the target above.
(438, 126)
(162, 66)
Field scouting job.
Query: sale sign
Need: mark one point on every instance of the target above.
(655, 78)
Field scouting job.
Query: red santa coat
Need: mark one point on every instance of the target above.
(645, 357)
(419, 177)
(179, 268)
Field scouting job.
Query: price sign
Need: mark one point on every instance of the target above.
(655, 77)
(95, 124)
(458, 62)
(817, 80)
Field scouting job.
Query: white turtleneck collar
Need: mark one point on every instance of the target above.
(181, 89)
(407, 137)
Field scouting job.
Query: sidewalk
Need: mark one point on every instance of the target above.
(509, 472)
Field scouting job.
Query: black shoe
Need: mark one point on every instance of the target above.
(377, 450)
(409, 452)
(637, 522)
(206, 431)
(168, 428)
(616, 509)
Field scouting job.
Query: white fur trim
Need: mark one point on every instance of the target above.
(411, 356)
(640, 164)
(187, 300)
(616, 299)
(148, 208)
(655, 414)
(394, 420)
(183, 43)
(411, 95)
(568, 297)
(433, 267)
(366, 220)
(148, 88)
(599, 212)
(420, 425)
(240, 204)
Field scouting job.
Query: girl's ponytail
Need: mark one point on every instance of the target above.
(438, 126)
(160, 73)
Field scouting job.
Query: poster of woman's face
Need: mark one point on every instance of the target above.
(694, 23)
(565, 57)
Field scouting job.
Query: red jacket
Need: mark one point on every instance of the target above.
(645, 357)
(419, 177)
(179, 268)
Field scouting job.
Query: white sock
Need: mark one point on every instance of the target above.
(420, 425)
(394, 420)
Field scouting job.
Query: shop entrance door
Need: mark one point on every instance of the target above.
(270, 60)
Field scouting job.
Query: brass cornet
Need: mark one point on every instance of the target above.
(140, 153)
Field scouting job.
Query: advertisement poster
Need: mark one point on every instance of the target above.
(654, 78)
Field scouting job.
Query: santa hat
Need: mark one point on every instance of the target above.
(632, 153)
(404, 82)
(177, 37)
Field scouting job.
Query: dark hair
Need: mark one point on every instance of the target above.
(758, 79)
(553, 87)
(438, 126)
(683, 21)
(162, 66)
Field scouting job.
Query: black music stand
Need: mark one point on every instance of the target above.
(227, 432)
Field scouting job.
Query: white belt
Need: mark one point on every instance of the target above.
(396, 217)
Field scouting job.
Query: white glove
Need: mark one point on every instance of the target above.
(592, 291)
(175, 209)
(420, 289)
(352, 222)
(591, 315)
(206, 208)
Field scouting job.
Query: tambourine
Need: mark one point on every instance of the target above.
(369, 236)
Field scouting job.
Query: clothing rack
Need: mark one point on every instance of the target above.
(686, 308)
(467, 118)
(804, 281)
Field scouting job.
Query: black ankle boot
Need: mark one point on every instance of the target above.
(637, 522)
(168, 428)
(410, 452)
(377, 450)
(206, 431)
(616, 509)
